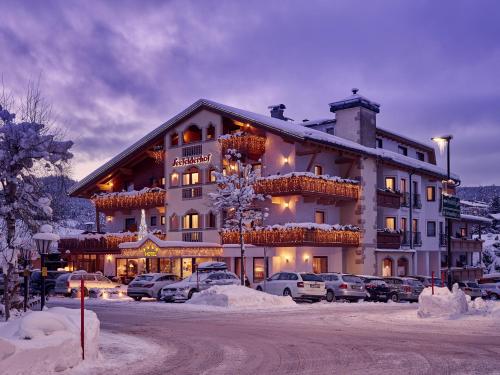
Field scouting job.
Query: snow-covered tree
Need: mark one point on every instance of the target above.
(495, 205)
(26, 149)
(236, 198)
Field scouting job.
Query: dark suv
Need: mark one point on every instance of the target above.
(404, 288)
(50, 281)
(376, 288)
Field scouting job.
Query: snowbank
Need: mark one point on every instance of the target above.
(443, 303)
(237, 296)
(48, 341)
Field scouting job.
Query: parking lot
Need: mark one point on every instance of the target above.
(361, 338)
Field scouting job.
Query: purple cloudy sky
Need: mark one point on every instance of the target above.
(116, 69)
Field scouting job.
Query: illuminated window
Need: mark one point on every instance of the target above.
(162, 181)
(191, 221)
(211, 220)
(174, 139)
(259, 269)
(192, 134)
(387, 267)
(210, 132)
(320, 264)
(431, 193)
(191, 176)
(390, 183)
(390, 223)
(403, 187)
(211, 175)
(174, 179)
(162, 220)
(463, 232)
(318, 170)
(319, 217)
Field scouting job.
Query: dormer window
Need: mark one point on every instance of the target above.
(403, 150)
(420, 156)
(210, 132)
(174, 139)
(192, 134)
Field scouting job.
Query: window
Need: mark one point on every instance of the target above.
(390, 183)
(319, 217)
(191, 176)
(431, 229)
(390, 223)
(163, 181)
(162, 220)
(402, 267)
(259, 269)
(129, 186)
(387, 267)
(420, 156)
(403, 150)
(415, 225)
(463, 232)
(153, 221)
(173, 222)
(380, 143)
(404, 224)
(330, 130)
(174, 139)
(403, 187)
(130, 225)
(237, 267)
(257, 167)
(211, 220)
(191, 221)
(318, 170)
(210, 132)
(174, 179)
(320, 264)
(191, 134)
(211, 175)
(431, 193)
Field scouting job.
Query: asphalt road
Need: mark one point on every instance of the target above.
(305, 341)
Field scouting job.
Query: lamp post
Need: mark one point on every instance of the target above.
(445, 142)
(43, 240)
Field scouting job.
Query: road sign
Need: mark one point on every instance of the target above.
(451, 207)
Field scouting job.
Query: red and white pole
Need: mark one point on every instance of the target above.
(432, 282)
(82, 317)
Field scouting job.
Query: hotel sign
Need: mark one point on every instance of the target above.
(451, 207)
(192, 160)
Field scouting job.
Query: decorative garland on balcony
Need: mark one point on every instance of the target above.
(243, 142)
(147, 197)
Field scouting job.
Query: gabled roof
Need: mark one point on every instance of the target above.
(289, 128)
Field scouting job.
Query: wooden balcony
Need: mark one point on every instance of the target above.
(468, 273)
(466, 245)
(145, 198)
(388, 240)
(294, 237)
(98, 243)
(309, 184)
(390, 199)
(253, 146)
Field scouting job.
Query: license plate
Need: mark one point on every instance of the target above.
(314, 286)
(355, 287)
(382, 295)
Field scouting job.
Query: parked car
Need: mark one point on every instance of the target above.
(150, 285)
(208, 274)
(490, 285)
(404, 288)
(471, 288)
(427, 281)
(298, 285)
(50, 281)
(69, 284)
(343, 286)
(376, 288)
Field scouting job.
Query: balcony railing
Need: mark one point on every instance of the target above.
(192, 193)
(405, 238)
(145, 198)
(405, 199)
(463, 244)
(417, 239)
(417, 201)
(442, 240)
(387, 198)
(295, 236)
(388, 240)
(307, 184)
(252, 145)
(98, 243)
(192, 236)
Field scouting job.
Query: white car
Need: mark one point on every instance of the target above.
(150, 285)
(68, 284)
(298, 285)
(207, 275)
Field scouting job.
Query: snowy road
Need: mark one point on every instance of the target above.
(308, 339)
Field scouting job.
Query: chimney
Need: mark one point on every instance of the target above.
(356, 119)
(277, 111)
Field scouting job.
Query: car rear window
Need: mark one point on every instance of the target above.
(414, 282)
(377, 282)
(144, 278)
(473, 285)
(310, 277)
(351, 279)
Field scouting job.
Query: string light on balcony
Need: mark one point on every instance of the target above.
(243, 142)
(147, 197)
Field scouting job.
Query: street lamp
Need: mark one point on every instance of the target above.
(443, 142)
(43, 240)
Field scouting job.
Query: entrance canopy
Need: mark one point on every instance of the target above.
(153, 247)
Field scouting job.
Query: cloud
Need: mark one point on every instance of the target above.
(115, 70)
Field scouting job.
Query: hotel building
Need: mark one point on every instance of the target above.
(344, 195)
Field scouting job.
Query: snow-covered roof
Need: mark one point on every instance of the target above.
(495, 216)
(166, 244)
(322, 121)
(354, 100)
(473, 204)
(475, 218)
(293, 129)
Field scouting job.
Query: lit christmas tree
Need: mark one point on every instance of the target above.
(143, 227)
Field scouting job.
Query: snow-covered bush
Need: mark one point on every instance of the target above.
(443, 303)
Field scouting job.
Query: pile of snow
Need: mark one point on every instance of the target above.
(443, 303)
(237, 296)
(48, 341)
